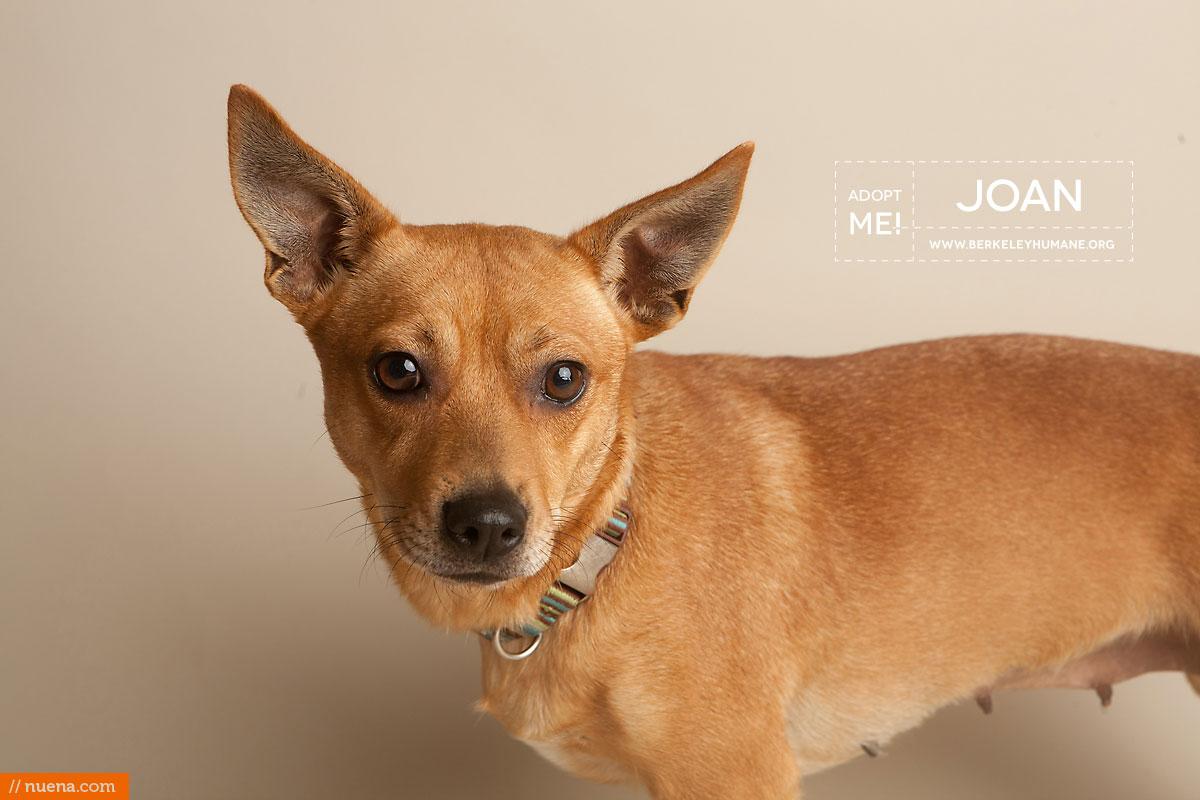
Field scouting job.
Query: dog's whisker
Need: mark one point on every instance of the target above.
(319, 438)
(335, 502)
(369, 523)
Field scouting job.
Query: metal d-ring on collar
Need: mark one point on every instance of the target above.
(574, 584)
(536, 639)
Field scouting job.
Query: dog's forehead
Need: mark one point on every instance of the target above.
(485, 282)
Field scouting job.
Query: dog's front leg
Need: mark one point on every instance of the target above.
(725, 757)
(689, 781)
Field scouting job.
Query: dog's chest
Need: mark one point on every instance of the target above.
(568, 728)
(576, 752)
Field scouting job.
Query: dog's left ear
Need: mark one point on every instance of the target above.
(652, 252)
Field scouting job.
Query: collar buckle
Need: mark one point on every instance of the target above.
(596, 554)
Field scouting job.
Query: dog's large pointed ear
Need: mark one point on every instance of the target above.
(314, 220)
(652, 252)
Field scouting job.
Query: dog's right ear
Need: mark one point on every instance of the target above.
(314, 220)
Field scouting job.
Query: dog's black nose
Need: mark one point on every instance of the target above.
(486, 525)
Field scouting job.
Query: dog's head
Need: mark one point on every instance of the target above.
(473, 374)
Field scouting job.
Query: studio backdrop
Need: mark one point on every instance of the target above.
(183, 596)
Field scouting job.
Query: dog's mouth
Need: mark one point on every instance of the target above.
(476, 578)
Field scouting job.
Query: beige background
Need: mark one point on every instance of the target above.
(168, 607)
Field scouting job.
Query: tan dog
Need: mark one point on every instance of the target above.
(822, 551)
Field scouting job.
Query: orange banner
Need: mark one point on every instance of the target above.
(107, 785)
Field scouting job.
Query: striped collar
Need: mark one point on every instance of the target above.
(574, 584)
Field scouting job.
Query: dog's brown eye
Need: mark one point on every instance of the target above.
(564, 382)
(397, 372)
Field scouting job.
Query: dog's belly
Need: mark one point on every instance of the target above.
(824, 732)
(826, 728)
(1124, 658)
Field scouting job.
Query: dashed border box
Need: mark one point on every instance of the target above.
(914, 227)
